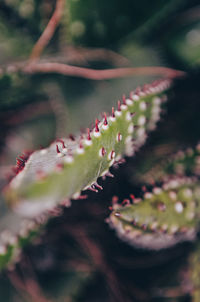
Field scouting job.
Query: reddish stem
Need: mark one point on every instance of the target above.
(103, 74)
(49, 31)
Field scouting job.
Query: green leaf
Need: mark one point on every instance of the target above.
(55, 174)
(162, 218)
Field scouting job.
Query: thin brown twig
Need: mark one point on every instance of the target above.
(32, 286)
(28, 289)
(82, 55)
(29, 112)
(26, 283)
(17, 284)
(98, 260)
(104, 74)
(49, 31)
(170, 292)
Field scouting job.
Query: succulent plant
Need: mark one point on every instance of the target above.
(162, 218)
(15, 234)
(159, 222)
(53, 175)
(48, 178)
(182, 163)
(170, 213)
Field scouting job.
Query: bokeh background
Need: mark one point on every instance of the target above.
(78, 258)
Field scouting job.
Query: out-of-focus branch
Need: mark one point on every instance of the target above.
(27, 288)
(49, 31)
(98, 260)
(93, 74)
(29, 112)
(82, 55)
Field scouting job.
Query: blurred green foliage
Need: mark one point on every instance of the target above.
(147, 33)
